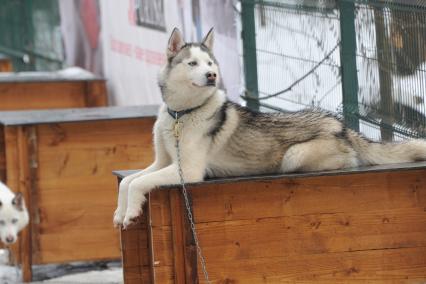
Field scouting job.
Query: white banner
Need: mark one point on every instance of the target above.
(135, 35)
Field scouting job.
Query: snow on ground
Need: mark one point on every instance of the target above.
(10, 275)
(110, 276)
(70, 273)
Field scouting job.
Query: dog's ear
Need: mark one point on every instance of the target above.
(175, 43)
(209, 39)
(18, 201)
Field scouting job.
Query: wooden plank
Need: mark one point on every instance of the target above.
(178, 237)
(287, 197)
(136, 258)
(9, 118)
(52, 94)
(12, 161)
(61, 247)
(191, 260)
(313, 234)
(348, 267)
(151, 256)
(34, 211)
(96, 93)
(12, 174)
(46, 77)
(2, 154)
(348, 171)
(42, 95)
(25, 184)
(164, 274)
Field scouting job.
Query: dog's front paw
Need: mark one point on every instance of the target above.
(118, 218)
(131, 217)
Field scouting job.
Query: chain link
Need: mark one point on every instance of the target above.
(187, 205)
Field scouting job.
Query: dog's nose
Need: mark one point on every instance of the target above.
(10, 239)
(211, 76)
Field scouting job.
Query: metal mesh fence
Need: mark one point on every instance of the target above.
(305, 58)
(30, 34)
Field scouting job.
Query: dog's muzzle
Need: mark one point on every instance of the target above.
(211, 79)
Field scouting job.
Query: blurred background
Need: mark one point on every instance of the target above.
(361, 59)
(125, 41)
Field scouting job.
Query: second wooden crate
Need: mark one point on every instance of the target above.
(62, 161)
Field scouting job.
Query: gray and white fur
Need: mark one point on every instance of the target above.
(219, 138)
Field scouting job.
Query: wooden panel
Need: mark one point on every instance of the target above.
(357, 228)
(26, 184)
(76, 191)
(11, 157)
(330, 228)
(2, 154)
(371, 265)
(178, 237)
(96, 93)
(287, 197)
(183, 243)
(48, 95)
(12, 174)
(314, 234)
(68, 115)
(6, 65)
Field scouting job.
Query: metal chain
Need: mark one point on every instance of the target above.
(188, 207)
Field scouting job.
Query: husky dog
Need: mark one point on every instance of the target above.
(13, 215)
(219, 138)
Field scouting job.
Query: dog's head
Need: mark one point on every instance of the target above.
(191, 74)
(13, 215)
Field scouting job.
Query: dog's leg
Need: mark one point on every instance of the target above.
(123, 189)
(144, 184)
(162, 159)
(319, 155)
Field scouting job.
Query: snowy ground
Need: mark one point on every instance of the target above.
(73, 273)
(9, 275)
(109, 276)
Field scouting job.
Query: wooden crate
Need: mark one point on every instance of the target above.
(62, 161)
(19, 91)
(364, 225)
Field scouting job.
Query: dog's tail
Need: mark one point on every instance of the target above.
(374, 153)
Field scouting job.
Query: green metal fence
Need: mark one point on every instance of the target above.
(364, 60)
(30, 34)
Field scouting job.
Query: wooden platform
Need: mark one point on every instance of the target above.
(31, 90)
(62, 161)
(365, 225)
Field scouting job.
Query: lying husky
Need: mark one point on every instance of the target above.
(13, 215)
(219, 138)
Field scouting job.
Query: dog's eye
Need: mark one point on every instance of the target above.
(192, 63)
(14, 221)
(2, 223)
(210, 63)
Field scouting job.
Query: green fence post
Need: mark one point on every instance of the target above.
(348, 64)
(249, 51)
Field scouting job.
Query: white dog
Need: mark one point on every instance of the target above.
(219, 138)
(13, 215)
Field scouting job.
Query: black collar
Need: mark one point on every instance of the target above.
(178, 114)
